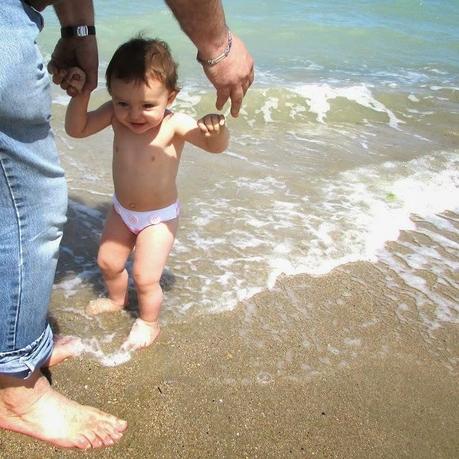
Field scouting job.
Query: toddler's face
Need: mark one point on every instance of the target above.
(138, 106)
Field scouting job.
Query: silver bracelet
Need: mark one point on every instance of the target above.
(216, 60)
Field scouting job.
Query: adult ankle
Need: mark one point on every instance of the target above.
(16, 393)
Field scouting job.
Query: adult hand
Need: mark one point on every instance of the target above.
(232, 76)
(39, 5)
(75, 52)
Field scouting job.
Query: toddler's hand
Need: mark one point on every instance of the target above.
(71, 80)
(211, 124)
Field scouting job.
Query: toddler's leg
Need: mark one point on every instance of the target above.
(116, 244)
(153, 246)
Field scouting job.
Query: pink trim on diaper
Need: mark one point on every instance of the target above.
(137, 221)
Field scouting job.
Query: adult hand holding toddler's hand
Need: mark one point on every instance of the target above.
(73, 80)
(232, 76)
(75, 52)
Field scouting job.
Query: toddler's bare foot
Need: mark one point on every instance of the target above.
(142, 334)
(102, 305)
(64, 348)
(40, 412)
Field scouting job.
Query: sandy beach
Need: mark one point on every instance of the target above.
(342, 376)
(344, 160)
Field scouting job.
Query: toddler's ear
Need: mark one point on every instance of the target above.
(171, 98)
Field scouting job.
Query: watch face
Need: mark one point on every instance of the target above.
(82, 31)
(78, 31)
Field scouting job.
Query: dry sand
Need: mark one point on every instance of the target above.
(317, 367)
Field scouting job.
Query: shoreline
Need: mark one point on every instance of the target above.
(318, 366)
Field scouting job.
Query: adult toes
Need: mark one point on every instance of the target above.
(82, 442)
(94, 439)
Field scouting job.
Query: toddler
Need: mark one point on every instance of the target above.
(147, 146)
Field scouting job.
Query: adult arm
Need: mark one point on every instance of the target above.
(75, 51)
(204, 23)
(40, 5)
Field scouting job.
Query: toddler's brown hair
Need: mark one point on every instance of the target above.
(141, 59)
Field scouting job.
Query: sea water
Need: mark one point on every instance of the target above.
(348, 136)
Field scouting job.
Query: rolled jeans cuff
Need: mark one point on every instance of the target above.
(21, 363)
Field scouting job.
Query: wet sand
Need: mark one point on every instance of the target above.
(317, 367)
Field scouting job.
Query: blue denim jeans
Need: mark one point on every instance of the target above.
(33, 194)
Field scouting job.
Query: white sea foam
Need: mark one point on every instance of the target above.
(264, 186)
(448, 88)
(434, 307)
(295, 110)
(187, 100)
(438, 72)
(93, 192)
(70, 286)
(243, 239)
(357, 212)
(267, 109)
(254, 228)
(235, 155)
(318, 96)
(92, 348)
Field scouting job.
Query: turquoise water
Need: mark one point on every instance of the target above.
(306, 40)
(311, 53)
(347, 140)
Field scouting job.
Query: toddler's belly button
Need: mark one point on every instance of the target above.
(131, 206)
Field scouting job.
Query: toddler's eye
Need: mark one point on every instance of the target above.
(122, 104)
(148, 106)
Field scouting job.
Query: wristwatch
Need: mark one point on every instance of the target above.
(77, 31)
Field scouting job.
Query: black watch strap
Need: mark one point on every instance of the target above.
(77, 31)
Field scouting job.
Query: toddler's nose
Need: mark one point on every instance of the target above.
(135, 114)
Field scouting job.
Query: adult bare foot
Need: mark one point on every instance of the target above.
(33, 408)
(142, 334)
(65, 347)
(101, 305)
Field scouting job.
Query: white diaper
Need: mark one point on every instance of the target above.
(137, 221)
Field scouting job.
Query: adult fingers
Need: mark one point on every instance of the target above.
(52, 69)
(223, 94)
(237, 94)
(245, 87)
(59, 76)
(91, 80)
(248, 82)
(251, 76)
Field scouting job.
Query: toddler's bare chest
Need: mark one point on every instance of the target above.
(141, 155)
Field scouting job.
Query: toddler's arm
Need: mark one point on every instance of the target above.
(78, 121)
(209, 132)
